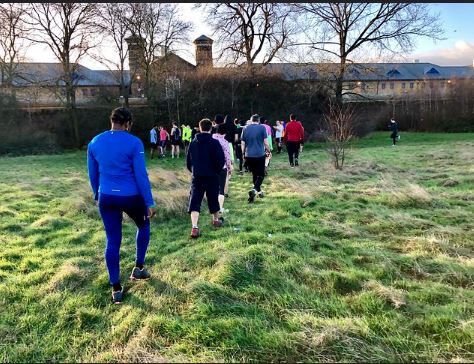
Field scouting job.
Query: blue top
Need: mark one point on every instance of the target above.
(153, 136)
(116, 166)
(253, 135)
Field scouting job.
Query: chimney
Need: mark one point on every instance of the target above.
(203, 51)
(135, 54)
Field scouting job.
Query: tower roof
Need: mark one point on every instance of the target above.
(203, 39)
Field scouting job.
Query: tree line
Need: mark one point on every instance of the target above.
(247, 36)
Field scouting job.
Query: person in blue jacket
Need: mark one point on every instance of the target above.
(119, 181)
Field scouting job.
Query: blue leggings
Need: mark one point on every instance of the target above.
(111, 208)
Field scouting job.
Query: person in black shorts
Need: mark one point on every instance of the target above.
(175, 140)
(204, 160)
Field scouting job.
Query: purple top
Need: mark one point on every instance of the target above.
(225, 147)
(269, 129)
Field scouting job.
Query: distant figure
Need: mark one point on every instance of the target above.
(186, 137)
(119, 181)
(238, 145)
(204, 160)
(278, 135)
(394, 129)
(268, 128)
(153, 140)
(294, 136)
(175, 140)
(254, 148)
(194, 131)
(164, 136)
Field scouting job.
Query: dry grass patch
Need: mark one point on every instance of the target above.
(396, 297)
(68, 277)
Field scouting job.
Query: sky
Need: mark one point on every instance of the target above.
(456, 50)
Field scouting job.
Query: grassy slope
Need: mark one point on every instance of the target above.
(374, 263)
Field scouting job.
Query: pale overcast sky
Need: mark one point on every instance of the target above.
(457, 49)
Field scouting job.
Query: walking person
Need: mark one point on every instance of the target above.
(226, 171)
(186, 137)
(278, 135)
(175, 140)
(294, 136)
(153, 140)
(119, 181)
(164, 137)
(254, 145)
(194, 131)
(238, 145)
(268, 156)
(204, 160)
(394, 129)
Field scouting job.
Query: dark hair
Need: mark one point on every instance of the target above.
(219, 119)
(292, 117)
(174, 123)
(254, 118)
(236, 121)
(205, 125)
(243, 122)
(262, 119)
(222, 128)
(154, 125)
(121, 115)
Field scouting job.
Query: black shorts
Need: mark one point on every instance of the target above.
(209, 186)
(163, 143)
(222, 181)
(186, 142)
(176, 142)
(154, 146)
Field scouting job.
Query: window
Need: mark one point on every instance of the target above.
(393, 73)
(432, 71)
(412, 84)
(422, 85)
(392, 85)
(442, 84)
(93, 92)
(431, 84)
(85, 92)
(403, 84)
(383, 85)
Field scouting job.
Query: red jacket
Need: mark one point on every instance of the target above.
(294, 132)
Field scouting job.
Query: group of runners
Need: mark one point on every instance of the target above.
(119, 179)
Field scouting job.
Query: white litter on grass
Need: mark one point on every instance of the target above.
(269, 235)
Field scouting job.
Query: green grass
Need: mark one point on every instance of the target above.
(373, 263)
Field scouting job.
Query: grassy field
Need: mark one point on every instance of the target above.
(373, 263)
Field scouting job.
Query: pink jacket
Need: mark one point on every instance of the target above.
(225, 147)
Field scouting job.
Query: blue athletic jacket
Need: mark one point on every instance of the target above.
(116, 166)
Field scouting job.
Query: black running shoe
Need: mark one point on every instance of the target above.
(117, 297)
(296, 162)
(138, 274)
(252, 194)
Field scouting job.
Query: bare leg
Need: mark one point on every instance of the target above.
(194, 218)
(221, 201)
(215, 216)
(177, 151)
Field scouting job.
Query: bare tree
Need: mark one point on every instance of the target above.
(13, 31)
(249, 30)
(338, 127)
(114, 20)
(343, 29)
(157, 28)
(68, 30)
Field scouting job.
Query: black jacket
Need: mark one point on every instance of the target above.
(205, 156)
